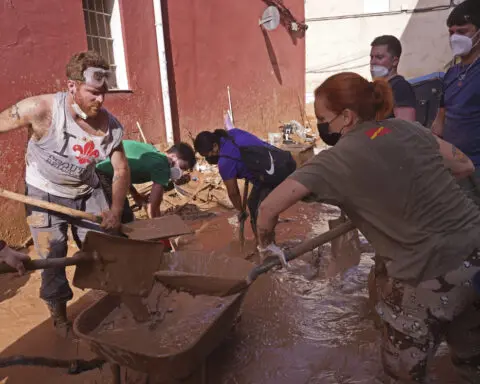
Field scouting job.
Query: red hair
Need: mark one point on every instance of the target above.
(369, 100)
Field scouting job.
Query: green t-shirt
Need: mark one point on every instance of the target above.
(145, 161)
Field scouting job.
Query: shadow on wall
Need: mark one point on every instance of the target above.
(272, 56)
(425, 39)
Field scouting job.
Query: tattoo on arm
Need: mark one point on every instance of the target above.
(115, 178)
(14, 114)
(458, 155)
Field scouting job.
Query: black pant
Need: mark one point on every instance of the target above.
(106, 183)
(258, 194)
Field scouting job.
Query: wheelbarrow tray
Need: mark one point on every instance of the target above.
(176, 363)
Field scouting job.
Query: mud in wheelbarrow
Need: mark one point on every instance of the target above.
(183, 329)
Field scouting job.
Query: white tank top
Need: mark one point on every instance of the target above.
(62, 162)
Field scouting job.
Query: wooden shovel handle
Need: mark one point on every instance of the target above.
(50, 206)
(32, 265)
(302, 248)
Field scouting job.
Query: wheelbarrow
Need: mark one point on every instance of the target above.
(188, 329)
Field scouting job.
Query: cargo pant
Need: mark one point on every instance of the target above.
(417, 319)
(49, 233)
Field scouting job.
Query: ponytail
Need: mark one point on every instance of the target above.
(220, 133)
(204, 141)
(382, 99)
(369, 100)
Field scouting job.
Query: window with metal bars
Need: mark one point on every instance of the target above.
(104, 35)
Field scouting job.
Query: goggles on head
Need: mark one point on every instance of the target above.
(97, 77)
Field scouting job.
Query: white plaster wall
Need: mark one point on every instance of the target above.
(344, 44)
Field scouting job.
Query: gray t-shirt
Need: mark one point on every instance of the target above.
(62, 162)
(390, 179)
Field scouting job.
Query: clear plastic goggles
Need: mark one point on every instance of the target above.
(97, 77)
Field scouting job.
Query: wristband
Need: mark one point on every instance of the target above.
(3, 244)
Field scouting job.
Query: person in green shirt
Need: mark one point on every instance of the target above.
(147, 164)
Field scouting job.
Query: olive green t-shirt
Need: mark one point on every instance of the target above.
(390, 179)
(145, 161)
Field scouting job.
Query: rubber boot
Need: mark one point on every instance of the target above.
(58, 313)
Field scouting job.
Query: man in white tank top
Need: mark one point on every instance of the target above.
(71, 133)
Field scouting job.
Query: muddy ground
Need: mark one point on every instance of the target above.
(297, 326)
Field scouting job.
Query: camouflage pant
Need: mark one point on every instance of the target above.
(417, 319)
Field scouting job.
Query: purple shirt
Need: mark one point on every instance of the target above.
(230, 167)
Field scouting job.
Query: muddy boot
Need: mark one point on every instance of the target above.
(58, 313)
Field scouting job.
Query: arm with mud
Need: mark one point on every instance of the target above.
(33, 113)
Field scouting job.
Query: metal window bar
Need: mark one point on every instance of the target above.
(102, 40)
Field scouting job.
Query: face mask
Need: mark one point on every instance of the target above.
(379, 71)
(461, 45)
(327, 137)
(175, 173)
(78, 110)
(212, 159)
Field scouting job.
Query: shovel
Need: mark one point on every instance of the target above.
(199, 284)
(108, 263)
(152, 229)
(346, 250)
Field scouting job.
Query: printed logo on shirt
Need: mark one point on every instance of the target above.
(86, 153)
(377, 132)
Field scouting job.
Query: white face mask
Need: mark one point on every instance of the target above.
(379, 71)
(175, 173)
(78, 110)
(461, 45)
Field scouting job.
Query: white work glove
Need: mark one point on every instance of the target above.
(273, 250)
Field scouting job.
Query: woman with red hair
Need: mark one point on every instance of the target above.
(396, 182)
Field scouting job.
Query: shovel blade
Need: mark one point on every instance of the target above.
(125, 266)
(155, 229)
(345, 248)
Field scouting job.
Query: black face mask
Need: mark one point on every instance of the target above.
(329, 138)
(212, 159)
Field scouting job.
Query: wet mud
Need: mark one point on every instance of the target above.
(306, 325)
(177, 321)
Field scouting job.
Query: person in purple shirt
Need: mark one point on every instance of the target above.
(223, 148)
(458, 118)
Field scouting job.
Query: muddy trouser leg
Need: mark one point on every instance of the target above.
(49, 234)
(417, 319)
(106, 184)
(471, 186)
(257, 195)
(377, 275)
(95, 203)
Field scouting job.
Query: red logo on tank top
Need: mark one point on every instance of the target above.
(86, 152)
(377, 132)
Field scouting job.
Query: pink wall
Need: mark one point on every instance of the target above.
(213, 44)
(219, 43)
(36, 40)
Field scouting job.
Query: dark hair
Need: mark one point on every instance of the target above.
(394, 47)
(205, 140)
(369, 100)
(184, 152)
(80, 61)
(465, 13)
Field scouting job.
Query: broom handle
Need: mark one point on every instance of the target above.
(302, 248)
